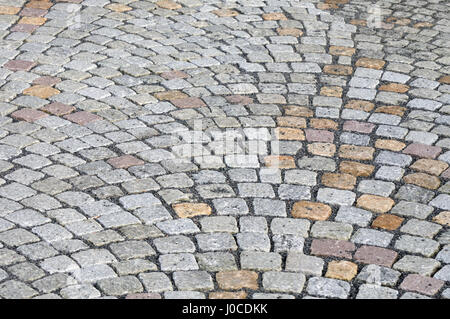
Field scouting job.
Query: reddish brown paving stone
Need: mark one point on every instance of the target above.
(421, 284)
(47, 80)
(330, 247)
(375, 255)
(319, 136)
(311, 210)
(125, 161)
(174, 75)
(27, 28)
(58, 109)
(422, 150)
(239, 99)
(33, 12)
(446, 174)
(29, 115)
(388, 222)
(188, 102)
(143, 296)
(355, 126)
(228, 295)
(19, 65)
(82, 117)
(238, 279)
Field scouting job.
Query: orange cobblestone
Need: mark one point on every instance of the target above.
(388, 222)
(311, 210)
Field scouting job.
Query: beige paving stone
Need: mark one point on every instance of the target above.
(291, 121)
(345, 51)
(322, 149)
(43, 92)
(9, 10)
(361, 153)
(442, 218)
(423, 180)
(188, 210)
(376, 64)
(342, 270)
(279, 161)
(338, 69)
(391, 145)
(228, 295)
(225, 13)
(323, 124)
(289, 134)
(239, 279)
(118, 7)
(433, 167)
(274, 16)
(374, 203)
(167, 4)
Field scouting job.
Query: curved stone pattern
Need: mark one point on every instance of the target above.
(224, 149)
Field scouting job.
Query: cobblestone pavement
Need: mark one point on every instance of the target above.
(224, 149)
